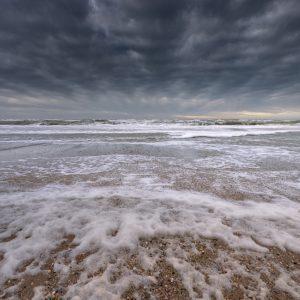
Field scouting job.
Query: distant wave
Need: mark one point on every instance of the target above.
(56, 122)
(235, 122)
(49, 122)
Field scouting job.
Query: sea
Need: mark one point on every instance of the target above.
(109, 184)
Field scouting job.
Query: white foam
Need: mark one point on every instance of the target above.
(179, 130)
(50, 213)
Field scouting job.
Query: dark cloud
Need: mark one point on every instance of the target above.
(80, 58)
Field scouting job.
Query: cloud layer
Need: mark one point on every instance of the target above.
(141, 58)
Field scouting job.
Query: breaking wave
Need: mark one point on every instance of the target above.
(53, 122)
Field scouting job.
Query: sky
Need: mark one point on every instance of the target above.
(74, 59)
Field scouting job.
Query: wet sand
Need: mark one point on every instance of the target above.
(256, 277)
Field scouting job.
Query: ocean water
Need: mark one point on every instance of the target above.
(142, 179)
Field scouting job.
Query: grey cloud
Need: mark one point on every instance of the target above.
(79, 58)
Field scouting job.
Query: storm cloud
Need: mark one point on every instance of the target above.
(141, 58)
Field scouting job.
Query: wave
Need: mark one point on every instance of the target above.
(50, 122)
(236, 122)
(53, 122)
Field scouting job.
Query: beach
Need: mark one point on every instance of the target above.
(151, 209)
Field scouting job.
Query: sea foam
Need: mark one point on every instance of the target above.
(109, 187)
